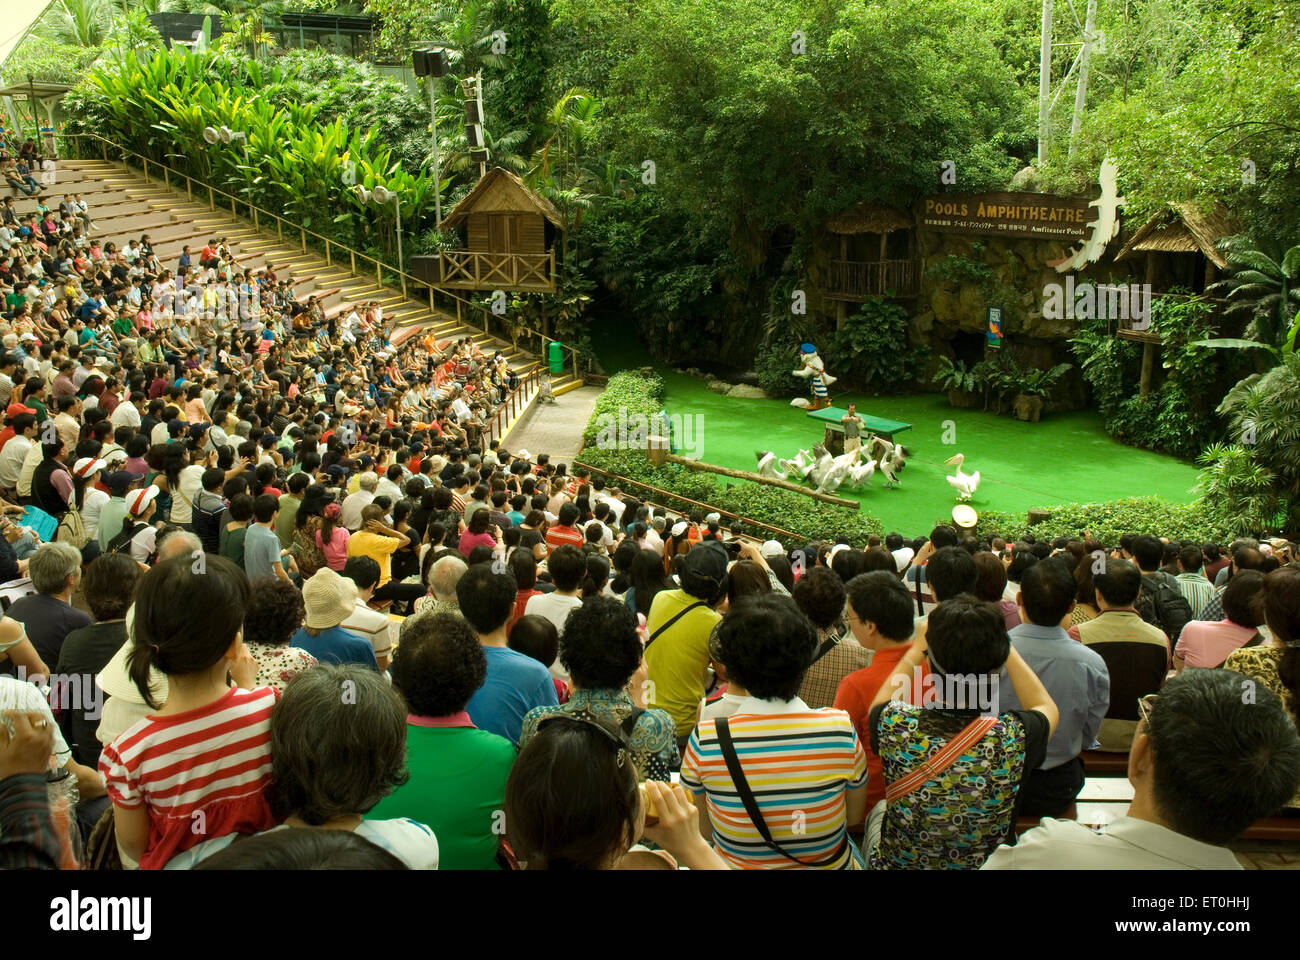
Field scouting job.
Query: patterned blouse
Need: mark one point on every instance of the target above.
(955, 822)
(1261, 663)
(279, 663)
(654, 737)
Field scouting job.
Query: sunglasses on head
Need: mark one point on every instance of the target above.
(616, 737)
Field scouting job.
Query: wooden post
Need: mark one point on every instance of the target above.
(657, 450)
(212, 199)
(327, 252)
(303, 234)
(1148, 367)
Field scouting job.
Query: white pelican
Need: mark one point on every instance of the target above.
(821, 468)
(768, 466)
(860, 473)
(836, 471)
(964, 483)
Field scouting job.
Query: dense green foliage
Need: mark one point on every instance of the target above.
(634, 393)
(1107, 522)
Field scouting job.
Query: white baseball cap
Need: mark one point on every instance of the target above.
(88, 465)
(137, 501)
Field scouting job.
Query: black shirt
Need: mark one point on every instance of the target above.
(85, 652)
(48, 621)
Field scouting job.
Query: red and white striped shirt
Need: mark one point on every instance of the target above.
(458, 503)
(202, 774)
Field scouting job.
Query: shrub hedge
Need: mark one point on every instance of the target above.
(1109, 521)
(643, 392)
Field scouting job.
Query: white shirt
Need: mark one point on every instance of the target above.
(26, 697)
(386, 488)
(11, 459)
(191, 479)
(94, 503)
(555, 608)
(31, 461)
(371, 624)
(126, 415)
(1126, 844)
(353, 504)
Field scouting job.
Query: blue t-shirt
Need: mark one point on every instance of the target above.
(336, 645)
(261, 552)
(515, 684)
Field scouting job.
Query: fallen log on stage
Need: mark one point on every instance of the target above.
(756, 478)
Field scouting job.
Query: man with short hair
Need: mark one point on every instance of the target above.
(290, 501)
(371, 624)
(1075, 676)
(1199, 730)
(917, 576)
(564, 532)
(48, 615)
(677, 647)
(1137, 653)
(568, 565)
(354, 503)
(515, 682)
(1168, 608)
(1191, 581)
(263, 555)
(1246, 555)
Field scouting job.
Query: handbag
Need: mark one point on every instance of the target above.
(751, 805)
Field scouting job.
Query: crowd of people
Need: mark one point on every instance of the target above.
(293, 607)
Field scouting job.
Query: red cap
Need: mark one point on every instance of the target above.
(16, 408)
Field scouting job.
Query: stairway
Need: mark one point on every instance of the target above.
(124, 205)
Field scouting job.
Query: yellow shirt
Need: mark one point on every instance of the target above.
(379, 548)
(679, 657)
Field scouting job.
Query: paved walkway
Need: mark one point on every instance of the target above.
(555, 429)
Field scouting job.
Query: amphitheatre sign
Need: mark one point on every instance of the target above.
(1038, 216)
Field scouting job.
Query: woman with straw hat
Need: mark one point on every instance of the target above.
(330, 599)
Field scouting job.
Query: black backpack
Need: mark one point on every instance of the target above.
(1162, 604)
(122, 542)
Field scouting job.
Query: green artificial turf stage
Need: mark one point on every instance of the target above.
(1064, 458)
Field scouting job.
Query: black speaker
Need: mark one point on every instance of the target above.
(471, 112)
(437, 63)
(473, 135)
(423, 67)
(478, 156)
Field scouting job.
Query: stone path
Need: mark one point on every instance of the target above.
(554, 429)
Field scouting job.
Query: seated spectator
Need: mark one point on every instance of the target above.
(329, 600)
(177, 763)
(1206, 644)
(880, 616)
(602, 653)
(48, 615)
(1198, 731)
(379, 541)
(457, 771)
(568, 567)
(338, 744)
(107, 588)
(1191, 580)
(916, 576)
(515, 683)
(303, 849)
(991, 586)
(1245, 555)
(275, 612)
(1074, 676)
(801, 774)
(444, 574)
(538, 638)
(953, 774)
(1136, 652)
(573, 803)
(523, 567)
(369, 623)
(679, 625)
(950, 571)
(819, 594)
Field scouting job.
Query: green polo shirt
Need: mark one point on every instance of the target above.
(457, 788)
(284, 523)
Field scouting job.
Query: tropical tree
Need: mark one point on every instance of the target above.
(1265, 289)
(1254, 481)
(83, 23)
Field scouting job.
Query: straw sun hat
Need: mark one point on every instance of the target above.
(329, 599)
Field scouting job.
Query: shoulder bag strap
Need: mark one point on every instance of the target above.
(826, 647)
(751, 805)
(933, 766)
(674, 619)
(920, 607)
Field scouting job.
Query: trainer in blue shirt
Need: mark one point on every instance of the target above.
(329, 599)
(1074, 675)
(515, 683)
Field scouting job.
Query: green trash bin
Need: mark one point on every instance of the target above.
(555, 356)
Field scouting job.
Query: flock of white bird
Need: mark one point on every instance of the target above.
(855, 469)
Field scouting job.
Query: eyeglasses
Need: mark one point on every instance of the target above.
(1146, 705)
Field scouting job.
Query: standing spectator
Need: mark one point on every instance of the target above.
(1074, 676)
(515, 683)
(457, 771)
(799, 773)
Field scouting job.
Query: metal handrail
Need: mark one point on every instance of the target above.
(303, 232)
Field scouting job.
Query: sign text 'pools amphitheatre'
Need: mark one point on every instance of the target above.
(1037, 216)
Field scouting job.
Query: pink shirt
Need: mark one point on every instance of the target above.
(468, 541)
(1204, 643)
(336, 549)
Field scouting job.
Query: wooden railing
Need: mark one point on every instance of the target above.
(858, 279)
(440, 299)
(505, 271)
(514, 404)
(624, 482)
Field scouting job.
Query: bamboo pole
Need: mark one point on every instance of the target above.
(756, 478)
